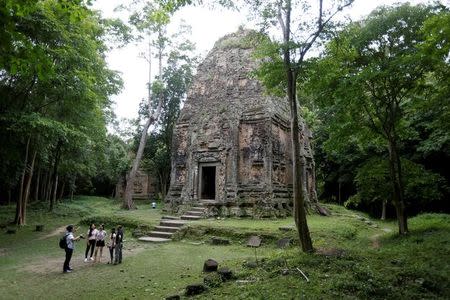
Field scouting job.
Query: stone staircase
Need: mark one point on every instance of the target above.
(197, 212)
(170, 224)
(164, 231)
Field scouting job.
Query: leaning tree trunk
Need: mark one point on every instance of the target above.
(128, 202)
(128, 196)
(395, 174)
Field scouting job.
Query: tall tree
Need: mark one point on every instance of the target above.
(54, 88)
(298, 36)
(152, 21)
(371, 73)
(177, 76)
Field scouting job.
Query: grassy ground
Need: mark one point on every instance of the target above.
(356, 258)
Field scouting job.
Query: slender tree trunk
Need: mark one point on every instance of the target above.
(61, 191)
(299, 197)
(48, 187)
(339, 192)
(9, 196)
(395, 173)
(383, 209)
(19, 202)
(26, 195)
(36, 190)
(55, 189)
(54, 181)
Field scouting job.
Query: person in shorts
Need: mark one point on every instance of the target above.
(99, 243)
(90, 243)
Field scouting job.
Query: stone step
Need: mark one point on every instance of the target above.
(194, 213)
(191, 218)
(154, 239)
(209, 202)
(198, 208)
(172, 223)
(160, 234)
(170, 217)
(166, 229)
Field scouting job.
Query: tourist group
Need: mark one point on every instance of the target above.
(95, 242)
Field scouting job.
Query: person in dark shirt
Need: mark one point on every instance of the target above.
(119, 245)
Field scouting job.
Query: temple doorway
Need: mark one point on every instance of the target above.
(208, 182)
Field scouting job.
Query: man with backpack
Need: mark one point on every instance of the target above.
(69, 239)
(119, 245)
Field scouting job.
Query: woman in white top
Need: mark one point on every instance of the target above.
(100, 242)
(92, 236)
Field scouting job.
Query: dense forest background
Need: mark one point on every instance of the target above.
(376, 98)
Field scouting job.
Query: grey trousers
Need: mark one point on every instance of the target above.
(118, 253)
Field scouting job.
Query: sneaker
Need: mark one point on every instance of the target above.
(91, 258)
(85, 260)
(70, 269)
(67, 271)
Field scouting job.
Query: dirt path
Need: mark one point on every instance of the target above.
(375, 239)
(57, 231)
(49, 265)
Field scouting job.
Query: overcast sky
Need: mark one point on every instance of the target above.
(207, 27)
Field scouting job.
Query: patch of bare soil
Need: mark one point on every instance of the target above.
(332, 252)
(2, 251)
(375, 239)
(57, 231)
(49, 265)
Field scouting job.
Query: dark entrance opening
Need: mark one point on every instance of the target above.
(208, 183)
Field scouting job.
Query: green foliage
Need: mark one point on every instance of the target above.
(422, 187)
(54, 85)
(380, 81)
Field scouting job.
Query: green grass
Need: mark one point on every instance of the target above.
(366, 259)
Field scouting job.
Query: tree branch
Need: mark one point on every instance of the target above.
(320, 26)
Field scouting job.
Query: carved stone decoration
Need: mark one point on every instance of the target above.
(231, 144)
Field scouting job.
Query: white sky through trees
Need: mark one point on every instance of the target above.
(207, 27)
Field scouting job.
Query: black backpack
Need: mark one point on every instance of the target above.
(63, 241)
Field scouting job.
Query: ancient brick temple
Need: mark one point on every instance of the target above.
(231, 146)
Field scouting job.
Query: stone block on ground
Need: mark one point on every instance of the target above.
(219, 241)
(254, 241)
(283, 243)
(212, 280)
(195, 289)
(286, 228)
(225, 274)
(251, 264)
(210, 265)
